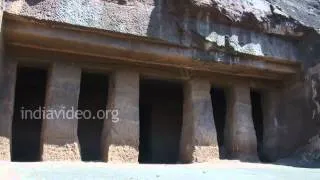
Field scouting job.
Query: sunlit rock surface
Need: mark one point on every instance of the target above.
(242, 26)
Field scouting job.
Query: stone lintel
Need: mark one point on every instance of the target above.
(7, 94)
(59, 139)
(120, 139)
(240, 138)
(199, 137)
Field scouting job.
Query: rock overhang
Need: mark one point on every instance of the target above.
(59, 41)
(158, 19)
(265, 30)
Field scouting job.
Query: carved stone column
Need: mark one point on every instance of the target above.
(270, 104)
(198, 137)
(120, 138)
(240, 137)
(59, 133)
(7, 94)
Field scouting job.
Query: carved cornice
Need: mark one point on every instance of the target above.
(127, 49)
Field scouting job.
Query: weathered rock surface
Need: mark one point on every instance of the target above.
(199, 137)
(306, 12)
(307, 156)
(88, 13)
(59, 139)
(279, 29)
(311, 152)
(6, 107)
(198, 24)
(273, 16)
(121, 139)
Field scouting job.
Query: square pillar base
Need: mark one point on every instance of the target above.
(66, 152)
(124, 153)
(59, 139)
(5, 154)
(205, 154)
(120, 138)
(198, 141)
(240, 137)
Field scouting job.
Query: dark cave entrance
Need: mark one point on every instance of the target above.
(219, 106)
(257, 116)
(93, 97)
(27, 119)
(161, 109)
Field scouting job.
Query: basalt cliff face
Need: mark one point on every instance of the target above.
(250, 27)
(281, 30)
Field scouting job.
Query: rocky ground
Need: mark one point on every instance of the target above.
(218, 170)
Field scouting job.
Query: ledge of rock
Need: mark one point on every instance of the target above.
(249, 26)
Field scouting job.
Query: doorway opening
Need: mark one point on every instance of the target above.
(219, 106)
(161, 109)
(257, 116)
(93, 98)
(27, 119)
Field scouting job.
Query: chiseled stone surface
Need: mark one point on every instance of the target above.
(299, 127)
(120, 139)
(205, 25)
(7, 90)
(299, 112)
(193, 23)
(66, 152)
(5, 154)
(204, 154)
(123, 154)
(7, 93)
(240, 137)
(1, 38)
(59, 134)
(198, 137)
(285, 15)
(271, 126)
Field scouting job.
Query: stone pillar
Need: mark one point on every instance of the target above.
(240, 137)
(270, 105)
(120, 138)
(198, 141)
(7, 94)
(59, 133)
(2, 5)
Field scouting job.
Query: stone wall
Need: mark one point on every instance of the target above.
(297, 117)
